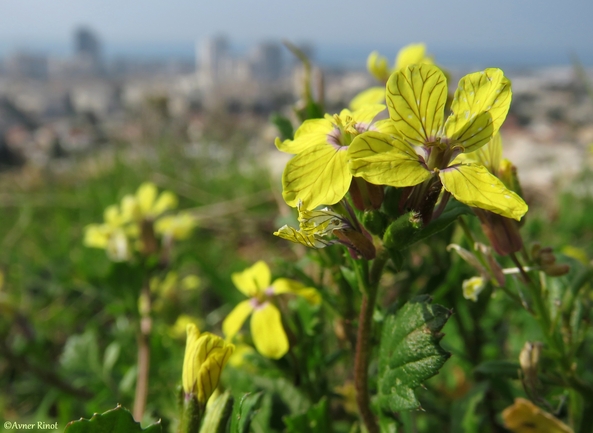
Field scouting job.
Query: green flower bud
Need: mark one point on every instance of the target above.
(375, 222)
(401, 232)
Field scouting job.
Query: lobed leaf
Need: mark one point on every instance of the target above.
(118, 420)
(410, 352)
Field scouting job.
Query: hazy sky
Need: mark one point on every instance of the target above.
(513, 24)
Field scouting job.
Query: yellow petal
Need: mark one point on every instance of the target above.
(413, 54)
(190, 282)
(234, 321)
(146, 196)
(311, 133)
(386, 160)
(479, 108)
(416, 97)
(96, 235)
(473, 185)
(178, 226)
(364, 115)
(267, 332)
(130, 210)
(308, 239)
(316, 176)
(112, 216)
(166, 201)
(524, 417)
(211, 355)
(189, 375)
(253, 280)
(473, 287)
(378, 66)
(374, 95)
(285, 285)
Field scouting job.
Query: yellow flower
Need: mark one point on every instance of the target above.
(147, 203)
(473, 287)
(315, 226)
(177, 227)
(378, 66)
(319, 173)
(425, 146)
(205, 356)
(525, 417)
(267, 331)
(110, 236)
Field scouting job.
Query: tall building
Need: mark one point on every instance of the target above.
(214, 60)
(266, 62)
(87, 51)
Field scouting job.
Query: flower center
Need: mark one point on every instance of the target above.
(344, 131)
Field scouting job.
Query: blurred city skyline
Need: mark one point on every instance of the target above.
(508, 33)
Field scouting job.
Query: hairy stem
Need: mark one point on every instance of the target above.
(143, 355)
(362, 357)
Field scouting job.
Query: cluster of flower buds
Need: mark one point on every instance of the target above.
(545, 259)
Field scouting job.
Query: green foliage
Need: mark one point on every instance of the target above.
(410, 352)
(243, 412)
(118, 420)
(315, 420)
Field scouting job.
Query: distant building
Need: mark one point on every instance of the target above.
(266, 62)
(87, 52)
(26, 65)
(214, 60)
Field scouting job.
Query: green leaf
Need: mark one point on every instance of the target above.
(314, 420)
(118, 420)
(244, 411)
(110, 357)
(218, 413)
(454, 210)
(410, 352)
(467, 417)
(284, 126)
(499, 369)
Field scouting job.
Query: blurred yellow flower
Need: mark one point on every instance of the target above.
(525, 417)
(267, 331)
(177, 227)
(378, 66)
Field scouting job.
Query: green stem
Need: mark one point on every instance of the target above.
(191, 415)
(369, 282)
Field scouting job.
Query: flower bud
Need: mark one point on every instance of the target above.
(529, 359)
(400, 233)
(205, 356)
(502, 232)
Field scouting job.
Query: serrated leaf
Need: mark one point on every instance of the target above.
(118, 420)
(244, 411)
(217, 414)
(314, 420)
(410, 352)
